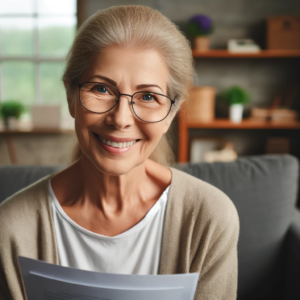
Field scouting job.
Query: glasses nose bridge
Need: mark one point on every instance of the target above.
(131, 97)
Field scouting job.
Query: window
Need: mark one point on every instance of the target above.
(35, 36)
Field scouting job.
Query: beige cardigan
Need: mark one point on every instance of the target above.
(200, 235)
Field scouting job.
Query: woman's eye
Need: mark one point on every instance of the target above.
(147, 97)
(101, 89)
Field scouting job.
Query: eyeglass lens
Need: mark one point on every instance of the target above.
(148, 106)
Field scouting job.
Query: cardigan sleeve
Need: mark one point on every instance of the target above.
(215, 252)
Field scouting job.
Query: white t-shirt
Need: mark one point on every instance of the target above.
(135, 251)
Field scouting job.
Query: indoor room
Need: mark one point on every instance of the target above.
(155, 137)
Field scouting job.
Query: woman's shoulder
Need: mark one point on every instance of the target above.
(205, 201)
(18, 208)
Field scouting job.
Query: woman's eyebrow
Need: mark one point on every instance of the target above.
(142, 86)
(112, 82)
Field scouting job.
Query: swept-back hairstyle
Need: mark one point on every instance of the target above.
(133, 25)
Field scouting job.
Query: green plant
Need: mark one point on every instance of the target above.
(11, 108)
(235, 95)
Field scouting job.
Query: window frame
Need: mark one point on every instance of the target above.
(35, 58)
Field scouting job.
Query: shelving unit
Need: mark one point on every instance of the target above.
(261, 54)
(245, 124)
(184, 124)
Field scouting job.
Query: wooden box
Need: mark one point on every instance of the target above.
(283, 32)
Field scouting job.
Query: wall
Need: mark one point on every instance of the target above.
(232, 18)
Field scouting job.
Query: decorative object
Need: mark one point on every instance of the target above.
(242, 46)
(283, 32)
(199, 27)
(201, 146)
(235, 97)
(211, 150)
(227, 153)
(275, 115)
(201, 105)
(11, 111)
(45, 116)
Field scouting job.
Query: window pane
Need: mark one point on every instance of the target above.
(52, 88)
(17, 7)
(16, 36)
(58, 7)
(56, 35)
(18, 81)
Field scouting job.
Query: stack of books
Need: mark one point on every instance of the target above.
(276, 115)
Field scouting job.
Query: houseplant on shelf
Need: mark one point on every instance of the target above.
(235, 97)
(11, 111)
(198, 28)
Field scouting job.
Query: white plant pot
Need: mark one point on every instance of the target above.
(12, 123)
(236, 113)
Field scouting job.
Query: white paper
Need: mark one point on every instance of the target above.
(44, 281)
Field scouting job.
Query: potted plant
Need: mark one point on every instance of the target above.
(11, 111)
(199, 27)
(235, 97)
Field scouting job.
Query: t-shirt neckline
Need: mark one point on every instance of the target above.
(141, 224)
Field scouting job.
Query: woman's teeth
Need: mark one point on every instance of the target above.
(114, 144)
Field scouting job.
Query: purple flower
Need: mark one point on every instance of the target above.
(203, 22)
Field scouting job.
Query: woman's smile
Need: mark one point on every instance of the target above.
(116, 145)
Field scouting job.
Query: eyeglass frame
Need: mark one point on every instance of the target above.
(131, 102)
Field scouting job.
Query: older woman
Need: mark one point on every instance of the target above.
(116, 208)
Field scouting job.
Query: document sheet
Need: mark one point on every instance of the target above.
(44, 281)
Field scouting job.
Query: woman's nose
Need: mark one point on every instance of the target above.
(121, 116)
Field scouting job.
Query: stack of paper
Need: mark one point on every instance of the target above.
(52, 282)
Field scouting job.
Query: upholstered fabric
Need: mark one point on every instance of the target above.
(15, 178)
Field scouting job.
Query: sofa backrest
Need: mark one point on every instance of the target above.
(264, 191)
(15, 178)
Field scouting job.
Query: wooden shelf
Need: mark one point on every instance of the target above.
(184, 125)
(245, 124)
(33, 131)
(261, 54)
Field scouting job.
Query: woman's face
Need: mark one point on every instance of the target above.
(130, 70)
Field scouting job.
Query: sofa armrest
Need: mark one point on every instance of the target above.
(292, 259)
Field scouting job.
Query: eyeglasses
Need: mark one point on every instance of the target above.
(100, 98)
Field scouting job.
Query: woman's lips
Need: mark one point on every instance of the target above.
(114, 150)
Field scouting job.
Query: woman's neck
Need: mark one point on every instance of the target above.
(89, 185)
(109, 205)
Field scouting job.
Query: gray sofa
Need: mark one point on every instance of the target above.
(264, 191)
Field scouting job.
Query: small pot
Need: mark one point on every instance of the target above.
(11, 123)
(201, 43)
(236, 113)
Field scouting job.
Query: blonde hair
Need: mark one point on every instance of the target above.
(136, 26)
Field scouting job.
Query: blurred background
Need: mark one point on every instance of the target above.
(246, 99)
